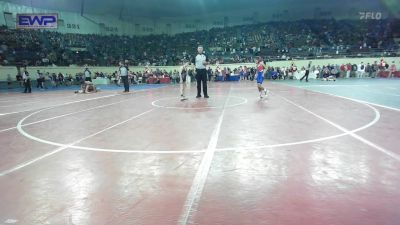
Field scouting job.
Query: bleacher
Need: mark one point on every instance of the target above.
(304, 39)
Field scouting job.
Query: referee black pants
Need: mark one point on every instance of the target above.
(27, 85)
(126, 83)
(305, 76)
(201, 77)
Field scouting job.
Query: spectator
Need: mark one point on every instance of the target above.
(361, 70)
(27, 81)
(9, 81)
(375, 69)
(123, 73)
(54, 80)
(392, 69)
(88, 74)
(238, 44)
(19, 79)
(368, 70)
(348, 70)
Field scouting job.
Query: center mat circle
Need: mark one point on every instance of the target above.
(214, 102)
(244, 148)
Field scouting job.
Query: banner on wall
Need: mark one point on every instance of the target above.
(37, 21)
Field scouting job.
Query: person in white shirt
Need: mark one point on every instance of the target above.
(360, 70)
(123, 73)
(200, 62)
(88, 74)
(27, 81)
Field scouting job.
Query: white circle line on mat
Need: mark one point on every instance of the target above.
(30, 136)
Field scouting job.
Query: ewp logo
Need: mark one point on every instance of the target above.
(34, 21)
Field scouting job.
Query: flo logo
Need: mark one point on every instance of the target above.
(35, 21)
(370, 15)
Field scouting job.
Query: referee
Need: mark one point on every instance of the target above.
(307, 72)
(123, 73)
(200, 62)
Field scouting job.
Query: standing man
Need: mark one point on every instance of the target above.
(368, 70)
(42, 81)
(38, 80)
(27, 81)
(307, 72)
(200, 62)
(375, 69)
(123, 73)
(88, 74)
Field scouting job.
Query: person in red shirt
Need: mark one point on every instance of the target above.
(342, 70)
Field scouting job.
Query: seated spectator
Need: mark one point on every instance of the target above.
(277, 40)
(327, 75)
(274, 74)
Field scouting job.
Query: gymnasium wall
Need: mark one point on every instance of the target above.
(129, 24)
(73, 70)
(72, 22)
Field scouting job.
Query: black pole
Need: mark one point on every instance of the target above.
(82, 7)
